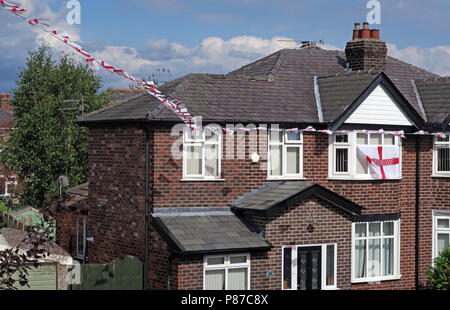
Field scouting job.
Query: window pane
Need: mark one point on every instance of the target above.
(293, 160)
(276, 136)
(287, 268)
(388, 256)
(446, 139)
(374, 258)
(212, 134)
(211, 160)
(301, 276)
(80, 239)
(341, 160)
(330, 265)
(443, 223)
(360, 230)
(388, 229)
(238, 259)
(237, 279)
(341, 138)
(293, 136)
(389, 139)
(443, 159)
(374, 229)
(215, 279)
(361, 138)
(360, 258)
(194, 160)
(275, 160)
(375, 139)
(216, 261)
(315, 261)
(443, 240)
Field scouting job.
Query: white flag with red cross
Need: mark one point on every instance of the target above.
(383, 161)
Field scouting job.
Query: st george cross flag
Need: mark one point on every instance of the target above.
(383, 161)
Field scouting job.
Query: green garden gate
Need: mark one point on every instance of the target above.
(124, 273)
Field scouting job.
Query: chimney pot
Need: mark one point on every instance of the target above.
(357, 26)
(375, 34)
(365, 34)
(366, 25)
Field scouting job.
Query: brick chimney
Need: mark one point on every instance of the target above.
(4, 103)
(366, 51)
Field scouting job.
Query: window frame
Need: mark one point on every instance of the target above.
(82, 254)
(323, 265)
(396, 274)
(437, 215)
(285, 144)
(227, 266)
(201, 143)
(352, 156)
(436, 145)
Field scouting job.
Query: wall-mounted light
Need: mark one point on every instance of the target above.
(255, 157)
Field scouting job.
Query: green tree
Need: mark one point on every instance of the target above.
(439, 273)
(47, 141)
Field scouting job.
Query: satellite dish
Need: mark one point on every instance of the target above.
(63, 181)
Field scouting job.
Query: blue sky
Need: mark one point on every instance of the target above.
(217, 36)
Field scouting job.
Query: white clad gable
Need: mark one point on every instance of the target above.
(379, 108)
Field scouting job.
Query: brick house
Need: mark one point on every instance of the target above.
(8, 178)
(289, 210)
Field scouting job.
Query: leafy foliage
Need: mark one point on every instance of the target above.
(16, 262)
(47, 141)
(439, 274)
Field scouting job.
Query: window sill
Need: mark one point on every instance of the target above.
(375, 280)
(286, 178)
(440, 175)
(349, 178)
(201, 180)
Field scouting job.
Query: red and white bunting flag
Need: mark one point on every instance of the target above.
(310, 129)
(400, 134)
(383, 161)
(328, 132)
(440, 135)
(421, 132)
(364, 131)
(380, 131)
(292, 130)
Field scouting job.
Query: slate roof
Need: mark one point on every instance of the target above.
(272, 195)
(207, 232)
(120, 94)
(76, 194)
(339, 91)
(435, 96)
(276, 88)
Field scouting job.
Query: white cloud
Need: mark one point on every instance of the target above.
(435, 59)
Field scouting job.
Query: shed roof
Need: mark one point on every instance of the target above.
(207, 231)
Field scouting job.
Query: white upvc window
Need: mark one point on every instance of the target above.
(343, 160)
(441, 231)
(285, 155)
(296, 266)
(81, 236)
(375, 251)
(226, 272)
(202, 155)
(441, 156)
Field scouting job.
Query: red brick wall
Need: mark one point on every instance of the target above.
(117, 158)
(289, 227)
(434, 195)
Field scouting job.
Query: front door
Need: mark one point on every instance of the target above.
(309, 268)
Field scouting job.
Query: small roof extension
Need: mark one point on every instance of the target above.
(269, 199)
